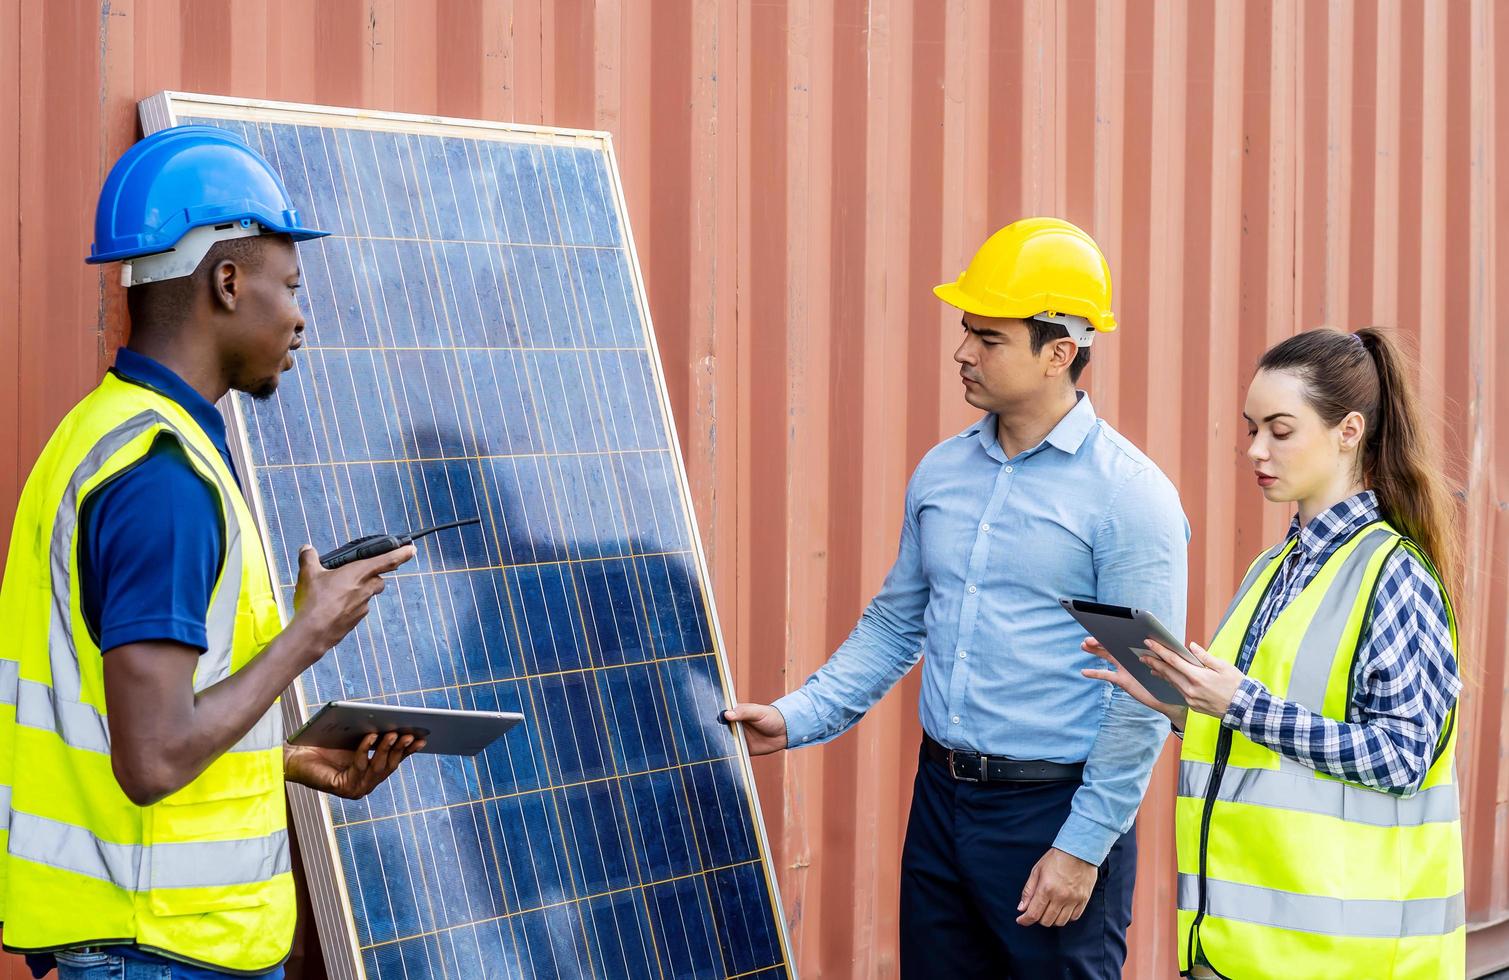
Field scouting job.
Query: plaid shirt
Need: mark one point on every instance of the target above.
(1404, 682)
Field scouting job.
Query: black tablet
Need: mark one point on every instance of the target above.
(343, 724)
(1125, 632)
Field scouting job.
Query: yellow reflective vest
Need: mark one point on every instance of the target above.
(1286, 872)
(203, 875)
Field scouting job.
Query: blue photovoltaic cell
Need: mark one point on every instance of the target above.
(475, 346)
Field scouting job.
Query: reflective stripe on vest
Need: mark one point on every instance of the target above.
(190, 864)
(1370, 918)
(1322, 640)
(1287, 789)
(80, 726)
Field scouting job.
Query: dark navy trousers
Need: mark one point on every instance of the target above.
(969, 849)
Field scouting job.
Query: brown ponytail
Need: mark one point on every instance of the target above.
(1364, 372)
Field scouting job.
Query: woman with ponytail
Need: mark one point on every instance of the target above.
(1317, 812)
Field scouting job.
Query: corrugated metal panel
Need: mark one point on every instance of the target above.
(800, 172)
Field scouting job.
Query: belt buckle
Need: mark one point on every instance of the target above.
(953, 769)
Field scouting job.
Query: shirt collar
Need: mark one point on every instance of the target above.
(1068, 435)
(149, 373)
(1072, 429)
(1336, 522)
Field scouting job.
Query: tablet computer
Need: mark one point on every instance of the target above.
(1125, 632)
(343, 725)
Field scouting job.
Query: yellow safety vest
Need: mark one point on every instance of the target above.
(1286, 872)
(203, 875)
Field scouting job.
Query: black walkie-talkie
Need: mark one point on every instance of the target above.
(380, 544)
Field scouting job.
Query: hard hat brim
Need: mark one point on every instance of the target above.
(952, 294)
(295, 232)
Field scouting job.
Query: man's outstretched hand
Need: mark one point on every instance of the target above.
(346, 773)
(764, 727)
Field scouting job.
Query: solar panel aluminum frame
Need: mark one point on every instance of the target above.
(311, 810)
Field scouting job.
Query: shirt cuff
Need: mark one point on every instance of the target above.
(1085, 839)
(803, 725)
(1239, 712)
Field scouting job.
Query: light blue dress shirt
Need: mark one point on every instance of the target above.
(988, 545)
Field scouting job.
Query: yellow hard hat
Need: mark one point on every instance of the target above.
(1042, 268)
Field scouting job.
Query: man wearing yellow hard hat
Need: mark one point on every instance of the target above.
(1019, 861)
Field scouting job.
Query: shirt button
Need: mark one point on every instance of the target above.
(985, 528)
(972, 590)
(1008, 469)
(963, 654)
(955, 719)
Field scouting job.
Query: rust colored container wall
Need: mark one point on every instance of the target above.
(800, 173)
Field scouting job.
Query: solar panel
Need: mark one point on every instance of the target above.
(478, 344)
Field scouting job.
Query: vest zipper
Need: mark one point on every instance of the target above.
(1218, 769)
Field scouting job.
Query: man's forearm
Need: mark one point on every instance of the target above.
(1117, 771)
(163, 734)
(230, 709)
(840, 692)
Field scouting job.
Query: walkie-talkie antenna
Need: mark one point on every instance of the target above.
(442, 527)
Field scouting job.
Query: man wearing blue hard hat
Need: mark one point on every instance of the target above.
(142, 759)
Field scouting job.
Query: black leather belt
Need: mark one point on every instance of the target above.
(972, 767)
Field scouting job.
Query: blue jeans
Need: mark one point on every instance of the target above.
(95, 964)
(103, 964)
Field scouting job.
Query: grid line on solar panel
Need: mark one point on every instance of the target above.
(555, 343)
(597, 895)
(591, 453)
(679, 767)
(398, 575)
(491, 242)
(532, 675)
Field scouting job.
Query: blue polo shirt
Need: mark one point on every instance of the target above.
(150, 550)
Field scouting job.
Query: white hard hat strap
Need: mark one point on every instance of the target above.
(184, 257)
(1080, 329)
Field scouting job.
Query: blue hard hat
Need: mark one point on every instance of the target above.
(187, 177)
